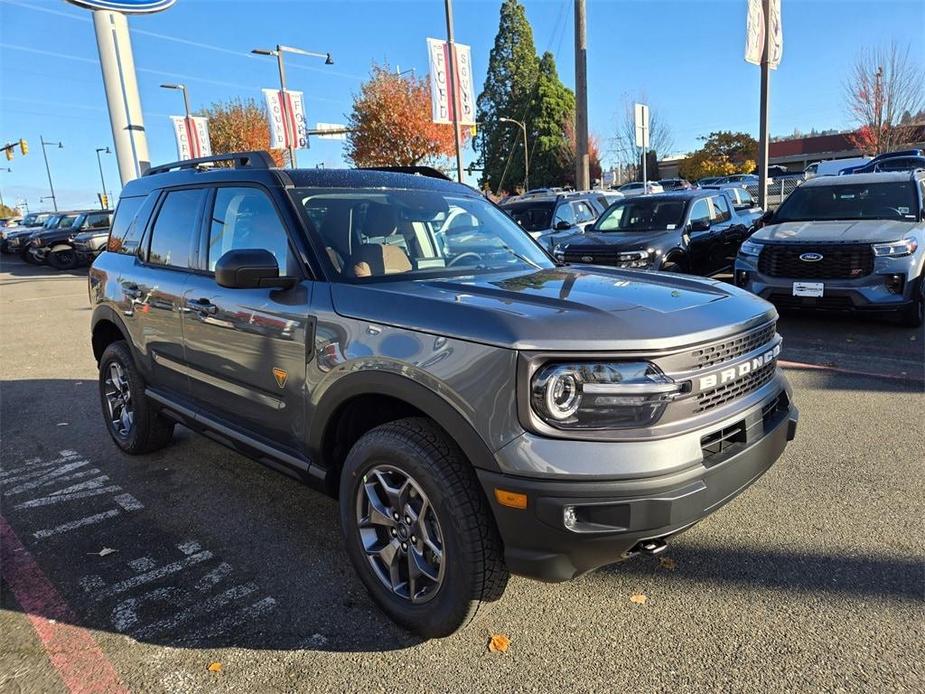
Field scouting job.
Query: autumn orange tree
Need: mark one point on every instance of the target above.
(391, 123)
(240, 125)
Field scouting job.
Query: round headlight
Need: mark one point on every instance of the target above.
(563, 395)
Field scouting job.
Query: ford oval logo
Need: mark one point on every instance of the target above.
(811, 257)
(587, 259)
(125, 6)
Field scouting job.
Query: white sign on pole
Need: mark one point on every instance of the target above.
(754, 34)
(641, 120)
(337, 129)
(287, 119)
(192, 137)
(438, 54)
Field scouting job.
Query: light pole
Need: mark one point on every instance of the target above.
(451, 78)
(523, 127)
(8, 170)
(104, 150)
(278, 54)
(54, 200)
(182, 88)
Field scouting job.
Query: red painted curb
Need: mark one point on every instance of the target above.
(804, 366)
(72, 650)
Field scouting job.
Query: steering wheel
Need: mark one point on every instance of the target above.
(891, 210)
(463, 255)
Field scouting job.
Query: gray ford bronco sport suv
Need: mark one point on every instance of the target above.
(477, 408)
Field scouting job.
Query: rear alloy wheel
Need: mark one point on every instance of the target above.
(63, 260)
(131, 419)
(418, 529)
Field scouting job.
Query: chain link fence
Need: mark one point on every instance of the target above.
(778, 190)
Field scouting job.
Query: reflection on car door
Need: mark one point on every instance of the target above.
(729, 233)
(247, 347)
(701, 242)
(157, 284)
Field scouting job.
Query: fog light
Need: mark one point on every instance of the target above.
(895, 283)
(569, 517)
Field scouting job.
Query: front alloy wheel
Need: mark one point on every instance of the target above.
(119, 400)
(400, 533)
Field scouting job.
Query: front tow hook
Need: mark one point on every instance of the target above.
(651, 547)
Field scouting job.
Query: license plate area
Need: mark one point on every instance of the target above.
(810, 289)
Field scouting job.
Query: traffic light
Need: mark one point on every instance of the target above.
(473, 130)
(9, 153)
(23, 146)
(104, 200)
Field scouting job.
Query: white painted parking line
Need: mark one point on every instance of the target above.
(73, 525)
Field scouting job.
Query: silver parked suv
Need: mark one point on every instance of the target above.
(853, 242)
(401, 344)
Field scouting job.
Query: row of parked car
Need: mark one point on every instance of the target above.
(63, 240)
(854, 241)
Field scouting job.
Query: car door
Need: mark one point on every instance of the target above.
(700, 241)
(726, 232)
(155, 287)
(247, 348)
(564, 213)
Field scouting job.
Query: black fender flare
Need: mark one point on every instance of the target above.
(107, 313)
(358, 383)
(673, 254)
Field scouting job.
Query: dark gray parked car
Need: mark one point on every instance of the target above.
(850, 243)
(476, 408)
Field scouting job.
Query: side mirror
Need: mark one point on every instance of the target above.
(250, 268)
(700, 225)
(562, 225)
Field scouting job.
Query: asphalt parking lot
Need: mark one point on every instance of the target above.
(811, 581)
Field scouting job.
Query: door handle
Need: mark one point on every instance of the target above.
(203, 307)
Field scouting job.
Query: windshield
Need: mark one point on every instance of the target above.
(532, 216)
(644, 214)
(368, 234)
(895, 200)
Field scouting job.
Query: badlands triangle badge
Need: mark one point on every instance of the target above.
(280, 375)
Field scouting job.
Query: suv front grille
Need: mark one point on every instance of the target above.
(715, 397)
(839, 261)
(730, 349)
(599, 256)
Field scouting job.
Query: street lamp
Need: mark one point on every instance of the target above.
(278, 54)
(182, 88)
(54, 200)
(104, 150)
(523, 127)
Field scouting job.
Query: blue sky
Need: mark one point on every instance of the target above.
(685, 57)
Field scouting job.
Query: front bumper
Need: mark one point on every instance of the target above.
(613, 516)
(871, 293)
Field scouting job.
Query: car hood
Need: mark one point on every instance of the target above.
(863, 230)
(629, 240)
(573, 308)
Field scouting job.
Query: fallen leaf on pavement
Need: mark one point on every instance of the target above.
(215, 667)
(638, 598)
(105, 552)
(668, 563)
(498, 643)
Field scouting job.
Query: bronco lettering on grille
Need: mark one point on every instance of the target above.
(735, 371)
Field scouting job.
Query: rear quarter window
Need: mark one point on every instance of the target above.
(125, 235)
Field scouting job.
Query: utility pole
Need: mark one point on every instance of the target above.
(582, 160)
(278, 53)
(454, 100)
(763, 137)
(54, 200)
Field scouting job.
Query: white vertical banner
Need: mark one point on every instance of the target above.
(754, 33)
(192, 137)
(439, 59)
(288, 126)
(641, 122)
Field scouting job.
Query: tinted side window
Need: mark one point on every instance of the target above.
(175, 227)
(245, 218)
(98, 220)
(700, 210)
(583, 212)
(125, 234)
(721, 211)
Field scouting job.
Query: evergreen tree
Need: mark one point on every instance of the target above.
(508, 92)
(552, 114)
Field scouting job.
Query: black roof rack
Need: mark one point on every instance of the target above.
(253, 160)
(428, 171)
